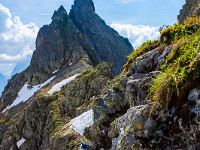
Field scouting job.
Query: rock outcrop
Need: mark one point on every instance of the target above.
(190, 9)
(151, 106)
(107, 43)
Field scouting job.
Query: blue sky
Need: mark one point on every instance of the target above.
(20, 21)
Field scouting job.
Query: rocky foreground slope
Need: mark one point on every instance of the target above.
(153, 104)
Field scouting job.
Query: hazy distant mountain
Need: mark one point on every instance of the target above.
(3, 83)
(20, 67)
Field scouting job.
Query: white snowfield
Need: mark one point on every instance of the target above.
(81, 122)
(57, 87)
(19, 143)
(25, 93)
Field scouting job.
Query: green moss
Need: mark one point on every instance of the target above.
(114, 122)
(133, 147)
(70, 143)
(127, 130)
(90, 74)
(55, 112)
(110, 104)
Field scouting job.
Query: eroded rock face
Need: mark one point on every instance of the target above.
(129, 94)
(67, 40)
(108, 44)
(190, 9)
(44, 122)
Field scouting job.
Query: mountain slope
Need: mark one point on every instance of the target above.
(160, 86)
(153, 104)
(101, 112)
(61, 45)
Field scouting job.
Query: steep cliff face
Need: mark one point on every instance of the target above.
(109, 45)
(190, 9)
(65, 42)
(57, 45)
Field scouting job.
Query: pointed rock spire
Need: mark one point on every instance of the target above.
(59, 13)
(86, 5)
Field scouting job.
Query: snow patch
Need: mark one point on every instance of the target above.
(92, 97)
(27, 92)
(57, 87)
(55, 71)
(19, 143)
(81, 122)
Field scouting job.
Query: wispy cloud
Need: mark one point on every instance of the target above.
(17, 40)
(137, 34)
(21, 56)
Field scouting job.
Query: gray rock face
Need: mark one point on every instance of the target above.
(125, 120)
(57, 44)
(128, 95)
(108, 44)
(190, 9)
(44, 121)
(67, 40)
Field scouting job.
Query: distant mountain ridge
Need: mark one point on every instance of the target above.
(21, 66)
(3, 82)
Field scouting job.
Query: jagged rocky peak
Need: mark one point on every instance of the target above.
(84, 4)
(190, 8)
(60, 13)
(67, 40)
(108, 44)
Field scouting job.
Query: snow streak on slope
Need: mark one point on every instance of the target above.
(81, 122)
(57, 87)
(19, 143)
(27, 92)
(55, 71)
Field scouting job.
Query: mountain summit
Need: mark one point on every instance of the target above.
(65, 43)
(107, 43)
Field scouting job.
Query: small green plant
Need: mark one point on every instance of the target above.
(180, 67)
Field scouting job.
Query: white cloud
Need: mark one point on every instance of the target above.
(137, 34)
(17, 41)
(21, 56)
